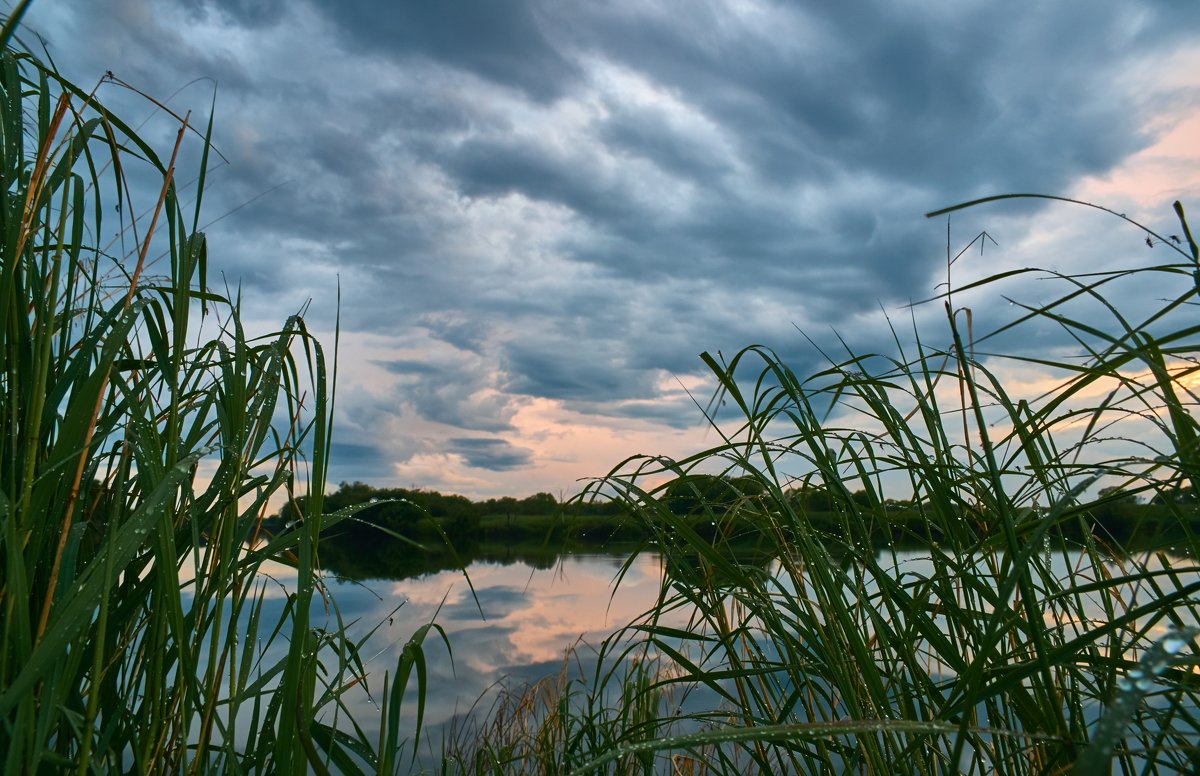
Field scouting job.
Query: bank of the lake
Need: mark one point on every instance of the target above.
(407, 531)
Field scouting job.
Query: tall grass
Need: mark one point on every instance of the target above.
(143, 434)
(1012, 646)
(1020, 638)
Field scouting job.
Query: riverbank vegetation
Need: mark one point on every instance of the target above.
(391, 520)
(404, 532)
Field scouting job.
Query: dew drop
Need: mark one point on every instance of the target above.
(1173, 644)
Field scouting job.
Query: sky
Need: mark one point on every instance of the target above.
(539, 214)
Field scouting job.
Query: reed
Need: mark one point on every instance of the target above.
(1012, 645)
(1021, 638)
(143, 436)
(598, 702)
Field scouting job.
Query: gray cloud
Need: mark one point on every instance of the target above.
(454, 389)
(567, 201)
(503, 43)
(488, 453)
(362, 462)
(253, 14)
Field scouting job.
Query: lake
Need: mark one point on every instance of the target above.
(516, 628)
(529, 610)
(527, 614)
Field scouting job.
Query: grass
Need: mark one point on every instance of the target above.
(1025, 639)
(143, 434)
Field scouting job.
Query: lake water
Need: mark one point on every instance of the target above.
(520, 624)
(516, 628)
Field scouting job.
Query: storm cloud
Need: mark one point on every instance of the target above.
(539, 204)
(494, 454)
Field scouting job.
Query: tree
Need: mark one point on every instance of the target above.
(539, 504)
(693, 493)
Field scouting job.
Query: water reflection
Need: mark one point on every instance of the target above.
(514, 630)
(530, 607)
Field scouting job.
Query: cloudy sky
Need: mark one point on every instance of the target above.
(540, 213)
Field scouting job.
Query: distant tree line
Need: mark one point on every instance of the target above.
(418, 513)
(713, 505)
(1115, 513)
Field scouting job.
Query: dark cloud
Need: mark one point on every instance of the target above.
(677, 414)
(487, 453)
(408, 366)
(253, 14)
(455, 328)
(559, 373)
(360, 462)
(501, 42)
(571, 201)
(974, 93)
(496, 601)
(450, 389)
(494, 168)
(649, 136)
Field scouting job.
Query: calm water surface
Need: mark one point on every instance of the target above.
(518, 626)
